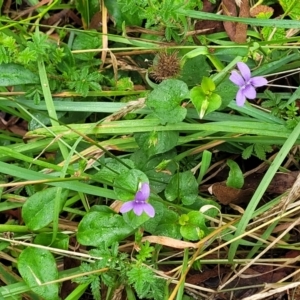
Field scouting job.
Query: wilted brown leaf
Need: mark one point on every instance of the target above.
(241, 29)
(208, 26)
(14, 125)
(229, 9)
(237, 32)
(227, 195)
(261, 9)
(279, 185)
(206, 275)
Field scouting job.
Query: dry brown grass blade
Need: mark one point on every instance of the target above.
(200, 246)
(31, 9)
(294, 193)
(285, 201)
(275, 290)
(292, 225)
(114, 63)
(104, 32)
(169, 242)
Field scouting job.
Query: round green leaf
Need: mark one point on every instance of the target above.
(115, 11)
(182, 186)
(191, 232)
(194, 68)
(112, 168)
(165, 101)
(156, 142)
(214, 102)
(152, 223)
(38, 266)
(97, 228)
(84, 40)
(227, 91)
(183, 219)
(158, 168)
(194, 228)
(38, 210)
(203, 102)
(208, 85)
(127, 183)
(45, 238)
(168, 225)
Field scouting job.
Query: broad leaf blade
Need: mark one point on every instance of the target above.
(37, 266)
(156, 142)
(183, 186)
(38, 210)
(97, 228)
(14, 74)
(165, 101)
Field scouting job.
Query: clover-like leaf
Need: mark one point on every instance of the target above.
(207, 85)
(194, 227)
(204, 100)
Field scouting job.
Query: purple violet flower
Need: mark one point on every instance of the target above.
(246, 83)
(139, 204)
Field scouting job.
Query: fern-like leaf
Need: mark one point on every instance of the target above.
(141, 278)
(145, 283)
(260, 151)
(247, 152)
(95, 288)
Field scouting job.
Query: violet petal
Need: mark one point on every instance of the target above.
(127, 206)
(245, 71)
(138, 208)
(258, 81)
(143, 193)
(149, 210)
(240, 98)
(237, 79)
(249, 91)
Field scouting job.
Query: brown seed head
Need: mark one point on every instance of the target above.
(167, 66)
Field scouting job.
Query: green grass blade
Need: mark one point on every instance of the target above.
(71, 184)
(49, 102)
(123, 127)
(251, 21)
(248, 215)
